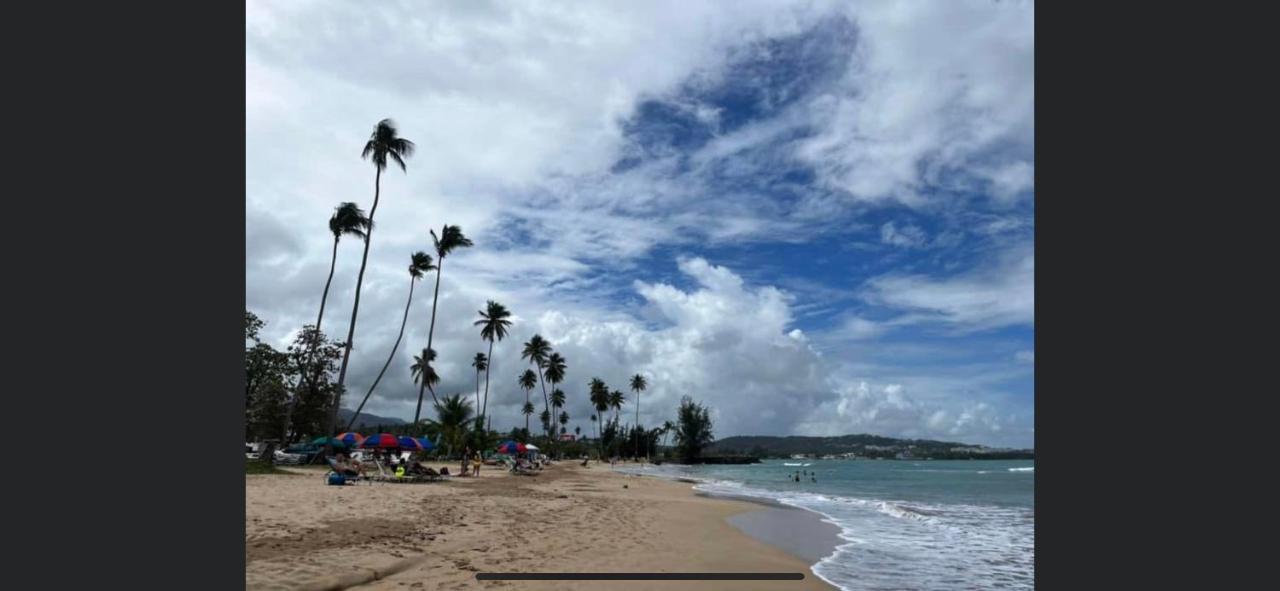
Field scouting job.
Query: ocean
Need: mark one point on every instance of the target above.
(904, 524)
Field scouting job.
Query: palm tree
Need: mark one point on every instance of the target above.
(528, 380)
(600, 400)
(350, 220)
(527, 410)
(481, 363)
(577, 431)
(419, 263)
(667, 426)
(557, 399)
(453, 414)
(616, 400)
(493, 325)
(424, 375)
(384, 143)
(536, 351)
(638, 385)
(564, 421)
(450, 238)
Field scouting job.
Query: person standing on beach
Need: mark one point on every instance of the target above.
(475, 464)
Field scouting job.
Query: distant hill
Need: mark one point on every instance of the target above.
(870, 446)
(366, 420)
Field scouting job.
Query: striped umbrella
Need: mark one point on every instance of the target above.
(380, 441)
(336, 443)
(351, 439)
(511, 447)
(426, 443)
(410, 443)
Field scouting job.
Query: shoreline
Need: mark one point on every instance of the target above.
(300, 532)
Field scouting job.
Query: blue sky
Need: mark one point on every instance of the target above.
(817, 217)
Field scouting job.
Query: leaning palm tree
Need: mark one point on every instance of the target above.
(493, 325)
(385, 143)
(528, 380)
(424, 375)
(638, 385)
(348, 219)
(450, 238)
(536, 351)
(481, 363)
(419, 263)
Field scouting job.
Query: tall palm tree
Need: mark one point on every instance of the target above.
(557, 399)
(450, 238)
(616, 400)
(528, 380)
(536, 351)
(419, 263)
(527, 410)
(348, 219)
(638, 385)
(481, 363)
(385, 143)
(493, 325)
(424, 375)
(600, 401)
(554, 373)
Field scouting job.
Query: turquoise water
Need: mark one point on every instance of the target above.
(905, 524)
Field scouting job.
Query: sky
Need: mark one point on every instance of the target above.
(815, 217)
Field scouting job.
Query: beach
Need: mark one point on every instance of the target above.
(302, 534)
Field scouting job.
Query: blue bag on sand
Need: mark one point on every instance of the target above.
(335, 478)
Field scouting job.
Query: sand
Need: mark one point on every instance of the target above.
(303, 534)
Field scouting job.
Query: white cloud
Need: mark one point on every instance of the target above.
(1003, 295)
(1025, 356)
(908, 237)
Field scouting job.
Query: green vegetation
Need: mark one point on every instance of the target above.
(693, 429)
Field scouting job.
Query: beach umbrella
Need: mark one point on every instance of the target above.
(511, 447)
(351, 439)
(381, 441)
(321, 441)
(531, 447)
(426, 443)
(410, 443)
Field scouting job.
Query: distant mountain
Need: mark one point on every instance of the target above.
(860, 445)
(366, 420)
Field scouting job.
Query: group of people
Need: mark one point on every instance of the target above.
(813, 476)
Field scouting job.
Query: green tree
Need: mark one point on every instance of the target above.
(693, 429)
(599, 396)
(385, 143)
(450, 239)
(419, 264)
(616, 400)
(528, 380)
(493, 325)
(536, 351)
(638, 385)
(425, 376)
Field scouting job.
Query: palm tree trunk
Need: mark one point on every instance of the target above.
(484, 412)
(324, 297)
(431, 331)
(546, 400)
(390, 357)
(424, 386)
(355, 310)
(638, 424)
(478, 388)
